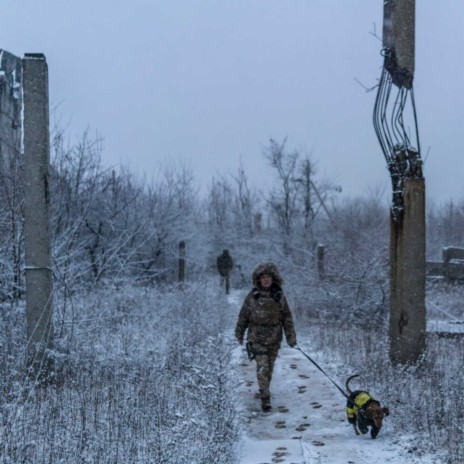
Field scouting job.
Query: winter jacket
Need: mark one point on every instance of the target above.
(265, 313)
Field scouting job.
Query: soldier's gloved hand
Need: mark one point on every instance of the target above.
(292, 343)
(352, 420)
(240, 341)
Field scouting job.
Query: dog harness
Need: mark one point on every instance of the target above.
(357, 402)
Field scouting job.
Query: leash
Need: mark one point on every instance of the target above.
(320, 368)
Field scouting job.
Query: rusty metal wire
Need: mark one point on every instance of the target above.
(400, 148)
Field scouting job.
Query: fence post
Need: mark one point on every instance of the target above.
(181, 261)
(320, 261)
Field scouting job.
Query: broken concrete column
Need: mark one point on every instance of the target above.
(407, 284)
(39, 279)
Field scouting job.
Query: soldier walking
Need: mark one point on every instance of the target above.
(264, 315)
(225, 265)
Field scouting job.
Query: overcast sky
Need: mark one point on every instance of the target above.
(210, 81)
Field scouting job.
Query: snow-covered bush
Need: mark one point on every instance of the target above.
(142, 376)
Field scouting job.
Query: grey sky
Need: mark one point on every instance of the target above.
(210, 81)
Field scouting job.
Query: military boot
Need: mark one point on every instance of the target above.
(266, 404)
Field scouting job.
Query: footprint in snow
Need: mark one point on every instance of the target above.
(280, 425)
(282, 409)
(279, 454)
(302, 427)
(318, 443)
(293, 366)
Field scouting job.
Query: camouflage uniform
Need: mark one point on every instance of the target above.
(264, 313)
(225, 264)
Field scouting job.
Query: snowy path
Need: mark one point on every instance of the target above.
(307, 424)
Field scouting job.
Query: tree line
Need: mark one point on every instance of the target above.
(109, 225)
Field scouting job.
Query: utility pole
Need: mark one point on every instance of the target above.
(39, 279)
(407, 322)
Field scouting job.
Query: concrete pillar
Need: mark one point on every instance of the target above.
(407, 284)
(39, 279)
(181, 261)
(320, 261)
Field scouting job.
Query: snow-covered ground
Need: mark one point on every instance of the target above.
(307, 424)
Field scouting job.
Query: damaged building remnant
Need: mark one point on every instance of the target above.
(10, 107)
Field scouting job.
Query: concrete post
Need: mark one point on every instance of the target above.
(407, 283)
(320, 262)
(39, 283)
(181, 262)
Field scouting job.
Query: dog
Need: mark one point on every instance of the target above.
(363, 411)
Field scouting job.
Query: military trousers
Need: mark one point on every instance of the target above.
(265, 359)
(225, 282)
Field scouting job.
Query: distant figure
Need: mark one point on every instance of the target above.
(224, 266)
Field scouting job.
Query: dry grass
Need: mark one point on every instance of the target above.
(146, 380)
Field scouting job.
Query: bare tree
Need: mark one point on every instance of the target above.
(284, 196)
(221, 197)
(246, 203)
(297, 197)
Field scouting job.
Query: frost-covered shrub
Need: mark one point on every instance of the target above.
(142, 377)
